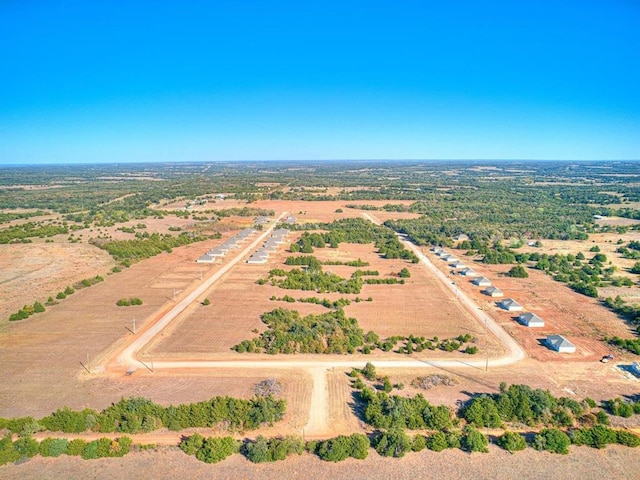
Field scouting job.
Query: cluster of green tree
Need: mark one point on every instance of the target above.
(352, 230)
(383, 281)
(418, 344)
(21, 233)
(127, 302)
(314, 279)
(521, 403)
(331, 332)
(27, 447)
(210, 449)
(404, 273)
(572, 269)
(499, 254)
(631, 312)
(620, 408)
(361, 273)
(263, 450)
(88, 282)
(139, 249)
(503, 210)
(6, 217)
(26, 311)
(325, 302)
(308, 260)
(388, 207)
(382, 410)
(518, 272)
(138, 415)
(352, 263)
(241, 212)
(630, 344)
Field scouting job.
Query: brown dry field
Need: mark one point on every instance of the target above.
(40, 357)
(35, 271)
(237, 303)
(582, 463)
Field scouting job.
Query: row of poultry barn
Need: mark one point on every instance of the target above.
(228, 245)
(270, 245)
(528, 319)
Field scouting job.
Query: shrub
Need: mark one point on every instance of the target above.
(216, 449)
(627, 438)
(474, 441)
(8, 452)
(437, 442)
(342, 447)
(518, 272)
(552, 440)
(393, 443)
(512, 442)
(26, 447)
(419, 443)
(76, 446)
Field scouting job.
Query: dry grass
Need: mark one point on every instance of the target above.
(169, 463)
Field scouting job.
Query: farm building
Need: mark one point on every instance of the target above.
(468, 272)
(449, 258)
(560, 344)
(458, 265)
(635, 368)
(206, 259)
(460, 238)
(493, 292)
(510, 305)
(481, 282)
(436, 250)
(530, 320)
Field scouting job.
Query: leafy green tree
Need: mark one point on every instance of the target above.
(216, 449)
(437, 442)
(76, 447)
(26, 447)
(518, 272)
(474, 441)
(191, 444)
(393, 443)
(512, 442)
(552, 440)
(8, 452)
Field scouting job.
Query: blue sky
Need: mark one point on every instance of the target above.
(97, 81)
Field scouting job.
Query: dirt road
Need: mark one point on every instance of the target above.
(317, 423)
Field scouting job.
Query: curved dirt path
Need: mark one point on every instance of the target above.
(318, 423)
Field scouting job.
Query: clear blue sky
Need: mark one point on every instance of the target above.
(97, 81)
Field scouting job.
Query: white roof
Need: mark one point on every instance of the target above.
(482, 281)
(493, 291)
(531, 320)
(558, 342)
(205, 259)
(510, 303)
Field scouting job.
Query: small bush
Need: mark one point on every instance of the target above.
(511, 442)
